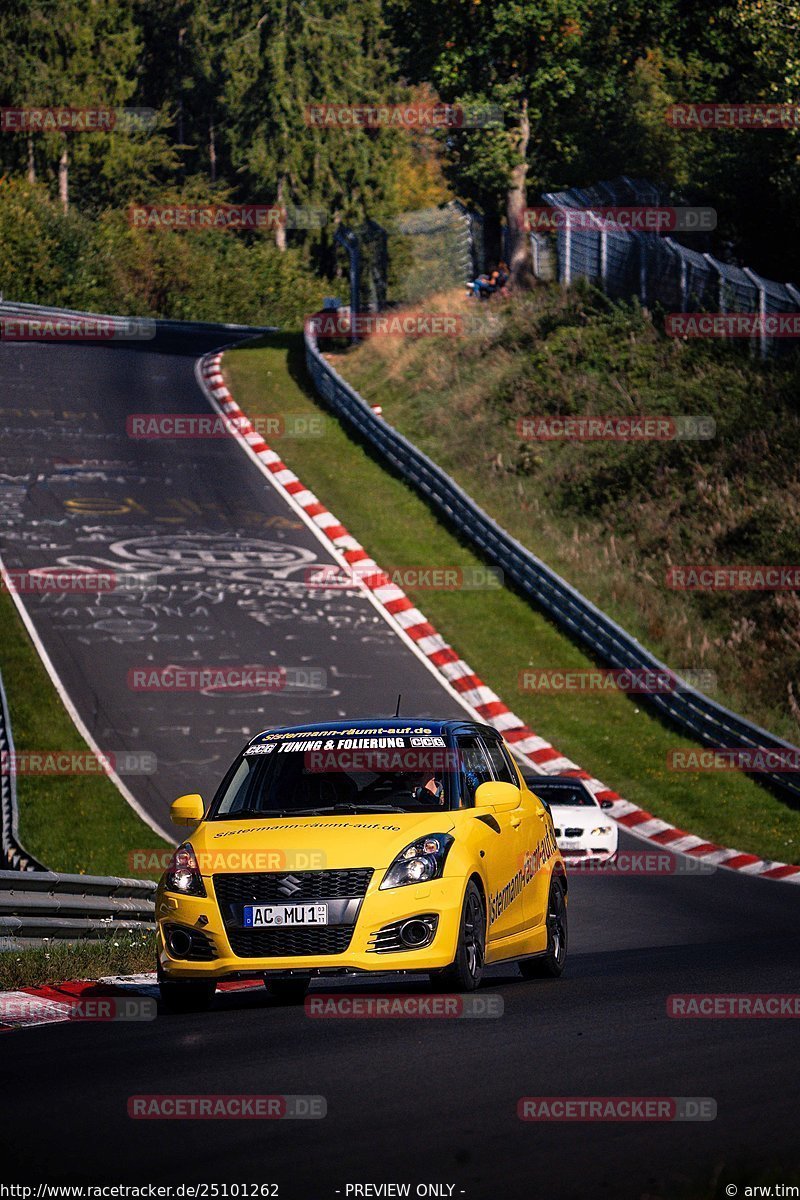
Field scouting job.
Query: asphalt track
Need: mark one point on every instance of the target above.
(211, 569)
(408, 1101)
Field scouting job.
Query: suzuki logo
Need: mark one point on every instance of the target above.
(289, 885)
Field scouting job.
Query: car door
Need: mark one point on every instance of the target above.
(504, 844)
(536, 838)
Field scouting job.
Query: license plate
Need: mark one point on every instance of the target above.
(258, 915)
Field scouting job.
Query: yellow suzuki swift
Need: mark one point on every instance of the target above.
(362, 846)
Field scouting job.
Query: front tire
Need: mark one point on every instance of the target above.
(466, 970)
(550, 965)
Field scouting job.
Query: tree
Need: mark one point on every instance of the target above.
(522, 56)
(299, 53)
(183, 70)
(66, 54)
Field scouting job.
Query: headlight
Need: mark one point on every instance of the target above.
(601, 829)
(183, 873)
(420, 862)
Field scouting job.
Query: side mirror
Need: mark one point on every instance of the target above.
(497, 797)
(187, 810)
(606, 803)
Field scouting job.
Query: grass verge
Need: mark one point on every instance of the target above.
(497, 632)
(59, 962)
(612, 516)
(71, 823)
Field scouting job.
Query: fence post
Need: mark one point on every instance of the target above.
(603, 255)
(794, 293)
(566, 273)
(470, 218)
(643, 272)
(715, 266)
(683, 277)
(347, 238)
(763, 340)
(684, 282)
(467, 218)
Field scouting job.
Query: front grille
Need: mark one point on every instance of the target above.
(233, 892)
(278, 943)
(573, 833)
(263, 887)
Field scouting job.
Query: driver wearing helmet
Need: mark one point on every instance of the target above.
(425, 784)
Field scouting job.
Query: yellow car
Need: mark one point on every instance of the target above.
(362, 846)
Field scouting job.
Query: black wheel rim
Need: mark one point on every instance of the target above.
(557, 925)
(474, 935)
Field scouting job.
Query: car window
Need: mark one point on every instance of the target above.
(279, 783)
(572, 795)
(473, 767)
(503, 770)
(236, 786)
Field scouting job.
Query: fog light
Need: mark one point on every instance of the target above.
(414, 933)
(179, 943)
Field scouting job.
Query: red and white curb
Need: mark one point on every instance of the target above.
(80, 999)
(477, 697)
(53, 1004)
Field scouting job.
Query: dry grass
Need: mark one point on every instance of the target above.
(613, 517)
(499, 633)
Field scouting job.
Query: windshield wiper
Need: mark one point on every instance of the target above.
(315, 812)
(248, 814)
(352, 809)
(379, 808)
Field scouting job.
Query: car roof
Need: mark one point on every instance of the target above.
(546, 781)
(366, 725)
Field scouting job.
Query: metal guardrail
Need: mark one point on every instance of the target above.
(685, 708)
(127, 328)
(40, 905)
(12, 852)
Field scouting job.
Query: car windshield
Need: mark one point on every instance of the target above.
(566, 794)
(294, 783)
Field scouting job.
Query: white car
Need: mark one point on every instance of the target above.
(583, 829)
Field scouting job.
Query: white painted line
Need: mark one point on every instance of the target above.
(77, 720)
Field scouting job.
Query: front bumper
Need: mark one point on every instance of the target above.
(598, 847)
(201, 915)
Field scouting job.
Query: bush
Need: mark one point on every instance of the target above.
(47, 257)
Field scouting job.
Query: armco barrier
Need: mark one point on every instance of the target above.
(128, 328)
(12, 852)
(39, 905)
(687, 709)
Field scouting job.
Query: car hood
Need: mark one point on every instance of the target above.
(332, 841)
(576, 814)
